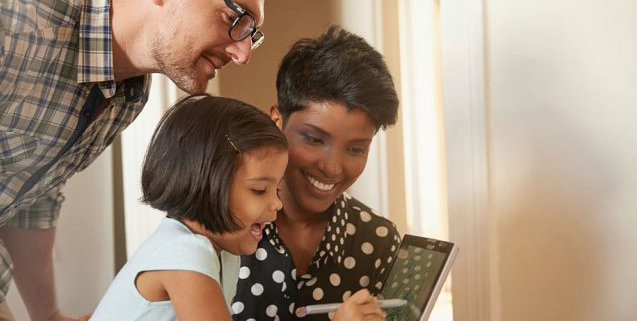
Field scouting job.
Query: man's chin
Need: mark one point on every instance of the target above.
(191, 85)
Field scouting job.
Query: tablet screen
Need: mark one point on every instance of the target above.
(417, 274)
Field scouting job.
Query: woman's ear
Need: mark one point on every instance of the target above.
(276, 117)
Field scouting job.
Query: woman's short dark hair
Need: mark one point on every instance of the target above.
(341, 67)
(193, 155)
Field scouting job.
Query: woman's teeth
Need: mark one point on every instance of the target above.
(320, 186)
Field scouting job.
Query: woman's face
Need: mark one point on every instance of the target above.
(328, 147)
(253, 198)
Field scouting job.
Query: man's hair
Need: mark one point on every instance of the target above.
(337, 66)
(193, 157)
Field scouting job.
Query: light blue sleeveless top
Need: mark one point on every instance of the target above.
(171, 247)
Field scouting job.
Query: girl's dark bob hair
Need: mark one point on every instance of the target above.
(194, 153)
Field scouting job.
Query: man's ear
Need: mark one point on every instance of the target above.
(276, 117)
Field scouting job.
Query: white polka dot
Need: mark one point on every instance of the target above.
(365, 217)
(379, 285)
(285, 286)
(294, 274)
(261, 254)
(237, 307)
(428, 264)
(377, 263)
(317, 294)
(271, 310)
(405, 281)
(311, 282)
(335, 279)
(328, 245)
(405, 270)
(417, 268)
(346, 295)
(278, 276)
(335, 248)
(367, 248)
(351, 229)
(333, 237)
(342, 241)
(382, 231)
(276, 318)
(395, 284)
(334, 218)
(251, 319)
(292, 307)
(364, 281)
(350, 262)
(417, 276)
(244, 272)
(418, 257)
(257, 289)
(299, 285)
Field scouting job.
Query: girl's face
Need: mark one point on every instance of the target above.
(328, 147)
(253, 198)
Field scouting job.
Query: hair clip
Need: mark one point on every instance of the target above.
(231, 143)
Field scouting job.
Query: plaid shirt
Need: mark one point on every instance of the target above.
(53, 55)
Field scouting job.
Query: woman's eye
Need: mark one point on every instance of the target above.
(358, 150)
(312, 139)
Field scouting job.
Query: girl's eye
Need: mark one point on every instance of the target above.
(258, 191)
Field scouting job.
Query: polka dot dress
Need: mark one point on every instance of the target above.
(355, 252)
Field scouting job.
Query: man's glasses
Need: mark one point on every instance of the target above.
(244, 25)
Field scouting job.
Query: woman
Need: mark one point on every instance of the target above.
(334, 94)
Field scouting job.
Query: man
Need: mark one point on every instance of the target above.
(73, 75)
(334, 93)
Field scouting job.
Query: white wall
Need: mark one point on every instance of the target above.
(561, 138)
(83, 253)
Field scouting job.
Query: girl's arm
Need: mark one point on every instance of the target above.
(195, 296)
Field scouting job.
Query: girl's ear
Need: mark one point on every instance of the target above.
(275, 115)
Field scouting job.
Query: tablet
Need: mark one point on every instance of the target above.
(418, 272)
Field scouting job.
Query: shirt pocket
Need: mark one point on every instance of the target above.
(33, 61)
(16, 150)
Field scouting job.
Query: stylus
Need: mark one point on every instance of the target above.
(329, 307)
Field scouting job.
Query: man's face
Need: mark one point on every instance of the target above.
(192, 40)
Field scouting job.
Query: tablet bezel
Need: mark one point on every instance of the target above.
(450, 251)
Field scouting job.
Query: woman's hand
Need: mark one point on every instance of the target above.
(361, 306)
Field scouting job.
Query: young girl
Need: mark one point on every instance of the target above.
(213, 165)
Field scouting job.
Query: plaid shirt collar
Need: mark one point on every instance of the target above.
(95, 59)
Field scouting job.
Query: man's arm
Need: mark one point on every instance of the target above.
(31, 252)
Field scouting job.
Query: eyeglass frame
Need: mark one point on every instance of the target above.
(256, 41)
